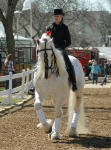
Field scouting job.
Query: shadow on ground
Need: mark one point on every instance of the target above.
(89, 141)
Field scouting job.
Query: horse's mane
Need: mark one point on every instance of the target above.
(59, 59)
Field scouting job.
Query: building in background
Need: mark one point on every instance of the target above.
(92, 29)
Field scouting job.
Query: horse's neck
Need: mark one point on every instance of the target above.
(41, 66)
(60, 64)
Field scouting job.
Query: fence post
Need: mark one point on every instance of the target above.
(27, 81)
(10, 88)
(32, 76)
(23, 82)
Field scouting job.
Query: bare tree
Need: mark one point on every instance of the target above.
(7, 8)
(40, 19)
(109, 1)
(75, 12)
(104, 25)
(43, 12)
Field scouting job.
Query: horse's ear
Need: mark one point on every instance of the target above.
(38, 42)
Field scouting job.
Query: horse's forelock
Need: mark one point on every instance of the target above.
(45, 37)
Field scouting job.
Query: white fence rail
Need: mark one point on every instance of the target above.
(27, 79)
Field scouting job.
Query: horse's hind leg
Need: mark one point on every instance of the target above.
(75, 114)
(55, 134)
(43, 122)
(81, 126)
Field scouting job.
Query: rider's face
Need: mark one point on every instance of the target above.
(58, 18)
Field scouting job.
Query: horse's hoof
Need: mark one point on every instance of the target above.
(54, 136)
(47, 126)
(73, 132)
(48, 130)
(39, 125)
(49, 135)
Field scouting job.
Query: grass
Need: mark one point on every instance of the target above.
(2, 88)
(1, 99)
(14, 100)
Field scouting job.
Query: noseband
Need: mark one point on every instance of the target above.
(53, 67)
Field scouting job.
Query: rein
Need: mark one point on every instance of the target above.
(53, 67)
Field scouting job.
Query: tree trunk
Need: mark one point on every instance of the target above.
(8, 26)
(10, 39)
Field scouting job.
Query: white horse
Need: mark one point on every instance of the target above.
(51, 82)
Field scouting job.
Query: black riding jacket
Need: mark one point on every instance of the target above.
(60, 34)
(61, 38)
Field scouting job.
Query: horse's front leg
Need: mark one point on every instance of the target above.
(45, 124)
(55, 134)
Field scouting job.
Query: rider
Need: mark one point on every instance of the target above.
(61, 38)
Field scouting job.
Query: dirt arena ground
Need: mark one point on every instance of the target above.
(18, 127)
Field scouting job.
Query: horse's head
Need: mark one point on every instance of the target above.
(47, 56)
(44, 43)
(50, 59)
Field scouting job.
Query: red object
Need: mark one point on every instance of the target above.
(48, 33)
(82, 56)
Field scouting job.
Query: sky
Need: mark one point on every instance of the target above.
(88, 3)
(104, 3)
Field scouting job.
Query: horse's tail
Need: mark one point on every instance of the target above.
(81, 127)
(71, 105)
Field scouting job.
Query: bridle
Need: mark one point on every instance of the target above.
(53, 67)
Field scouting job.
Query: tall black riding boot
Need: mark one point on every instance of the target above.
(71, 71)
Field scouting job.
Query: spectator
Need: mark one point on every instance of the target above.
(95, 70)
(106, 71)
(109, 68)
(8, 67)
(88, 69)
(102, 67)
